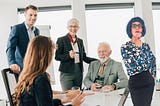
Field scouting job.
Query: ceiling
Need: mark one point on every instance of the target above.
(39, 3)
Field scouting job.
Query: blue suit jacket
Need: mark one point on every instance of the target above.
(17, 44)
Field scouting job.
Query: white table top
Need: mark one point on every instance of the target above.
(113, 98)
(103, 99)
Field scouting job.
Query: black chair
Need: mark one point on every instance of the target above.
(10, 80)
(124, 97)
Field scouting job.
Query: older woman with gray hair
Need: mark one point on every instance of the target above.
(71, 54)
(140, 63)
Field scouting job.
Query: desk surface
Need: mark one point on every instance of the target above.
(113, 98)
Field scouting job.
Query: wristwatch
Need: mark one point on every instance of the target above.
(114, 86)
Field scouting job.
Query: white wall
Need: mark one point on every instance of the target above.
(8, 17)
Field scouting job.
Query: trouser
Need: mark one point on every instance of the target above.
(141, 87)
(69, 80)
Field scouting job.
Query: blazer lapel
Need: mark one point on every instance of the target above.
(80, 49)
(107, 72)
(25, 32)
(79, 46)
(96, 69)
(36, 31)
(68, 43)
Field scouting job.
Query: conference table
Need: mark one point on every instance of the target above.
(113, 98)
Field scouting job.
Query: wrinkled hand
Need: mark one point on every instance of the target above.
(107, 88)
(72, 93)
(78, 100)
(15, 68)
(65, 100)
(72, 54)
(66, 96)
(94, 86)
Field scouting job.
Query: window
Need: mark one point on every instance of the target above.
(156, 21)
(107, 25)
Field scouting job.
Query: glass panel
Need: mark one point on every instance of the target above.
(156, 21)
(107, 26)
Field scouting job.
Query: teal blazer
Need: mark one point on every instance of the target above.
(114, 74)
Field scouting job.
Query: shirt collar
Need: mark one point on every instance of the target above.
(33, 28)
(71, 39)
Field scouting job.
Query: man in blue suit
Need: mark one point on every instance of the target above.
(19, 38)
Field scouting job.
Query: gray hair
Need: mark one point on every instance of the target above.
(105, 44)
(72, 19)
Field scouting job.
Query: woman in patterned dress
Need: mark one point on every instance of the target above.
(140, 63)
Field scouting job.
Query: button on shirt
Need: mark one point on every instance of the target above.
(138, 59)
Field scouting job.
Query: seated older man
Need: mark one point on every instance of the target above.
(105, 74)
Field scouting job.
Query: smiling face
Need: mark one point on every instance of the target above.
(73, 27)
(31, 17)
(104, 52)
(136, 30)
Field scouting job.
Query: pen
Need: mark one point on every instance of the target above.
(77, 52)
(74, 52)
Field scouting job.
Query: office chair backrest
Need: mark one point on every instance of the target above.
(124, 97)
(10, 80)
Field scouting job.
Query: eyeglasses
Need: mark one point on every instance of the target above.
(73, 26)
(134, 26)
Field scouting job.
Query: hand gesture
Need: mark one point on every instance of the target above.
(15, 68)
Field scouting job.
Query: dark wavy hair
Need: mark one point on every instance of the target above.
(135, 19)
